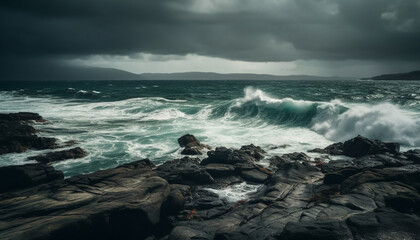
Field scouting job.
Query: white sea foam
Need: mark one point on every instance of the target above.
(236, 192)
(384, 121)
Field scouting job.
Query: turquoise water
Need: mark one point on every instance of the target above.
(123, 121)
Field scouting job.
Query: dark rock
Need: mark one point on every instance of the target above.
(191, 151)
(60, 155)
(191, 145)
(185, 233)
(254, 175)
(328, 230)
(361, 146)
(336, 165)
(406, 202)
(184, 171)
(227, 156)
(384, 224)
(253, 151)
(11, 129)
(24, 176)
(277, 162)
(16, 135)
(220, 170)
(120, 203)
(377, 161)
(21, 116)
(339, 176)
(283, 146)
(333, 149)
(174, 203)
(189, 140)
(413, 155)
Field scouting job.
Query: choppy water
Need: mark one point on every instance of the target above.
(123, 121)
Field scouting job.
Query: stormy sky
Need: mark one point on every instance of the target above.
(316, 37)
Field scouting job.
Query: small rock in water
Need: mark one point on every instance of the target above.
(191, 145)
(60, 155)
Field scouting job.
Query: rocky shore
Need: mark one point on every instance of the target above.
(371, 193)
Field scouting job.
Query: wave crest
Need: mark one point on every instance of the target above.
(335, 120)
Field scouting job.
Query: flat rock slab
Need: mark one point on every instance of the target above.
(120, 203)
(24, 176)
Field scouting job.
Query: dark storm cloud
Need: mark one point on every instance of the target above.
(266, 30)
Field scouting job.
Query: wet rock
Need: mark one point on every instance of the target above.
(283, 146)
(191, 145)
(339, 176)
(224, 155)
(413, 155)
(120, 203)
(191, 151)
(24, 176)
(279, 161)
(23, 143)
(60, 155)
(185, 233)
(406, 202)
(323, 230)
(254, 151)
(220, 170)
(184, 171)
(175, 202)
(16, 135)
(254, 175)
(361, 146)
(377, 161)
(21, 116)
(333, 149)
(384, 224)
(189, 140)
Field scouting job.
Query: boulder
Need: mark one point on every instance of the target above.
(184, 171)
(253, 151)
(224, 155)
(24, 176)
(333, 149)
(189, 140)
(119, 203)
(60, 155)
(361, 146)
(191, 151)
(191, 145)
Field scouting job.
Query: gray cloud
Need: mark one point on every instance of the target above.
(266, 30)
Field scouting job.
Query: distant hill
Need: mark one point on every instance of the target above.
(72, 72)
(231, 76)
(415, 75)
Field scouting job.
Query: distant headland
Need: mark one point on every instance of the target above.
(414, 75)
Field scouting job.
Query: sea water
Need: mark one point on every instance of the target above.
(123, 121)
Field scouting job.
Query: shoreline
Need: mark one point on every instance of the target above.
(372, 193)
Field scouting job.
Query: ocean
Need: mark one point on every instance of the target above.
(122, 121)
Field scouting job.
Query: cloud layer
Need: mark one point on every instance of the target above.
(244, 30)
